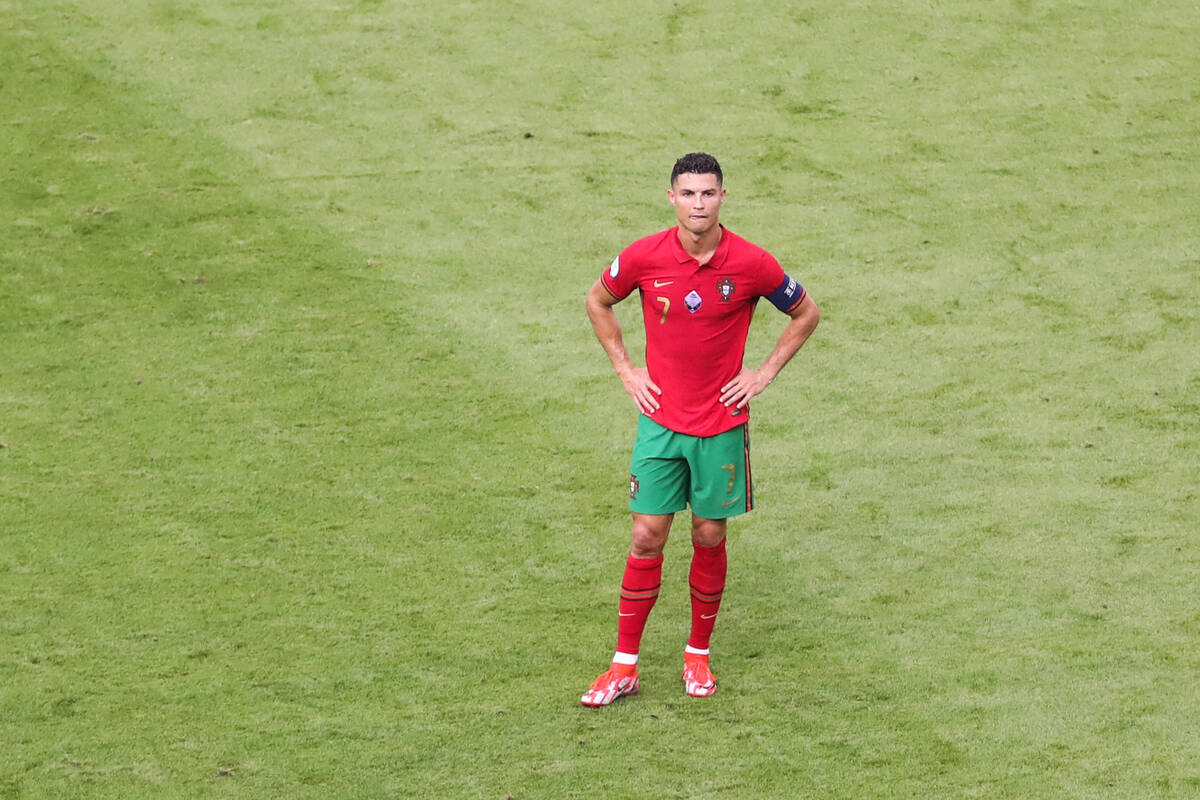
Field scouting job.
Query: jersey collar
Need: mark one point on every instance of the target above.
(718, 257)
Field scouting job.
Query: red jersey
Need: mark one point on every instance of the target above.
(697, 317)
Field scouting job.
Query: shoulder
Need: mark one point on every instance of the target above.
(749, 256)
(755, 264)
(623, 274)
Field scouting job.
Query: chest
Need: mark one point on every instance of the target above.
(695, 297)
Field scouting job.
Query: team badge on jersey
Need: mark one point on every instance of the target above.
(725, 288)
(633, 487)
(692, 301)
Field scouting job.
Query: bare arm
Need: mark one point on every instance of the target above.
(636, 380)
(751, 382)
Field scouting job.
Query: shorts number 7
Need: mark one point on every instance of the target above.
(732, 476)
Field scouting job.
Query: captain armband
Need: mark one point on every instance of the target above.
(788, 295)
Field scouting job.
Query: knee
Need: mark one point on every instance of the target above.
(708, 532)
(649, 538)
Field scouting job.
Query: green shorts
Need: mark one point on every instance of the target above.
(673, 470)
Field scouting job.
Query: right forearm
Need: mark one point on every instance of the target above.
(636, 380)
(608, 332)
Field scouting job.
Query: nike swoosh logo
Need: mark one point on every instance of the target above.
(707, 616)
(730, 502)
(660, 284)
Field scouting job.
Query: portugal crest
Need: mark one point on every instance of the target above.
(633, 487)
(725, 289)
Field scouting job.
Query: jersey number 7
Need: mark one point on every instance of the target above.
(666, 301)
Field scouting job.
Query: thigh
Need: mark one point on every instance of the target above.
(659, 475)
(721, 483)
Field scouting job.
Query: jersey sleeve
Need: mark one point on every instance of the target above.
(777, 286)
(620, 278)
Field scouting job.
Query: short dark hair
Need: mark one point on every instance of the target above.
(697, 164)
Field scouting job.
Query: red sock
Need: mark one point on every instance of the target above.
(639, 590)
(707, 579)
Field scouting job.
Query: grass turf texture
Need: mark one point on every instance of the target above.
(311, 472)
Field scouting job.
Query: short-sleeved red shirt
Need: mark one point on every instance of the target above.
(697, 317)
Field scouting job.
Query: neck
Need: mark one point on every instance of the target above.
(700, 244)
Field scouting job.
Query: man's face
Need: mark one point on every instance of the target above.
(697, 200)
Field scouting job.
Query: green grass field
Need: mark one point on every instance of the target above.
(312, 473)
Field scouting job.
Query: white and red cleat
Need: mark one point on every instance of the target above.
(619, 681)
(698, 680)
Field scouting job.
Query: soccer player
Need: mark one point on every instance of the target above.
(699, 285)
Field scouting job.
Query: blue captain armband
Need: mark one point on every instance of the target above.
(788, 295)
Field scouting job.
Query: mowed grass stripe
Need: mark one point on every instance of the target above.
(230, 462)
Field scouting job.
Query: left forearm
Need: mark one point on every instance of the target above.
(751, 382)
(803, 323)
